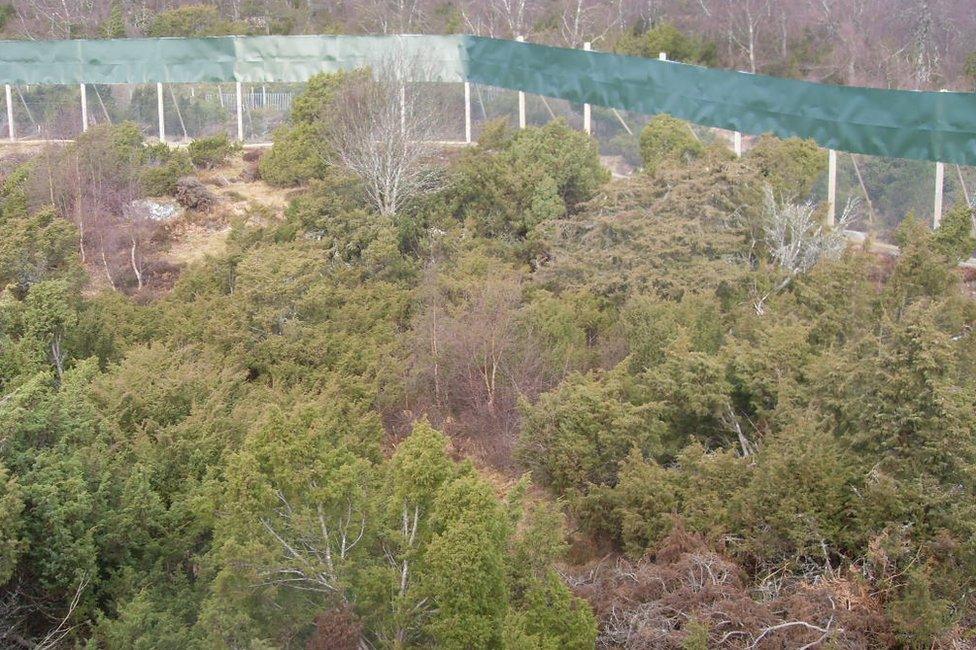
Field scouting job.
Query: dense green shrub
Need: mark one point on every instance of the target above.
(667, 140)
(297, 156)
(791, 166)
(193, 20)
(164, 167)
(300, 151)
(211, 152)
(954, 236)
(511, 183)
(665, 37)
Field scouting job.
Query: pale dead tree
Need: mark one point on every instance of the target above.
(924, 52)
(398, 555)
(500, 18)
(392, 16)
(315, 545)
(386, 135)
(797, 240)
(741, 23)
(589, 20)
(729, 418)
(20, 610)
(58, 18)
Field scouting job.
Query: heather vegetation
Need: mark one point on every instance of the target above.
(518, 404)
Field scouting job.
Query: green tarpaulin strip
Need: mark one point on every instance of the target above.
(222, 58)
(893, 123)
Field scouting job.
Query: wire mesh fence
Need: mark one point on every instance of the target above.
(887, 189)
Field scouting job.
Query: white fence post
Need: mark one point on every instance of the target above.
(939, 183)
(403, 107)
(737, 143)
(159, 111)
(939, 186)
(521, 98)
(10, 113)
(831, 187)
(240, 111)
(467, 112)
(84, 109)
(587, 126)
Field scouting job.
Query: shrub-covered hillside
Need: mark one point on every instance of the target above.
(530, 407)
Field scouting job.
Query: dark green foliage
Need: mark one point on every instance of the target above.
(919, 618)
(300, 152)
(7, 11)
(114, 26)
(791, 167)
(970, 68)
(193, 20)
(165, 166)
(207, 153)
(666, 141)
(665, 37)
(296, 157)
(511, 183)
(954, 236)
(271, 454)
(576, 436)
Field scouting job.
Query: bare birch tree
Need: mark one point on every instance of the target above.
(386, 135)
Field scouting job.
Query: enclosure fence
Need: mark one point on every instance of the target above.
(182, 88)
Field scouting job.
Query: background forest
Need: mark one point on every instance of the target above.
(920, 44)
(505, 402)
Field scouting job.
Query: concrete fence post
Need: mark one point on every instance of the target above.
(521, 98)
(84, 108)
(831, 187)
(737, 143)
(467, 112)
(587, 126)
(10, 113)
(240, 112)
(159, 111)
(939, 186)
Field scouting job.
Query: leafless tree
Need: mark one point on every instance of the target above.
(797, 240)
(590, 20)
(21, 614)
(314, 545)
(385, 134)
(500, 18)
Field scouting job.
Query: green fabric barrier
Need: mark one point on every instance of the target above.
(894, 123)
(223, 58)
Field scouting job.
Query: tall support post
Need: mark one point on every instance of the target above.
(403, 108)
(939, 184)
(737, 143)
(10, 113)
(521, 98)
(240, 111)
(84, 108)
(587, 125)
(831, 187)
(159, 111)
(467, 112)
